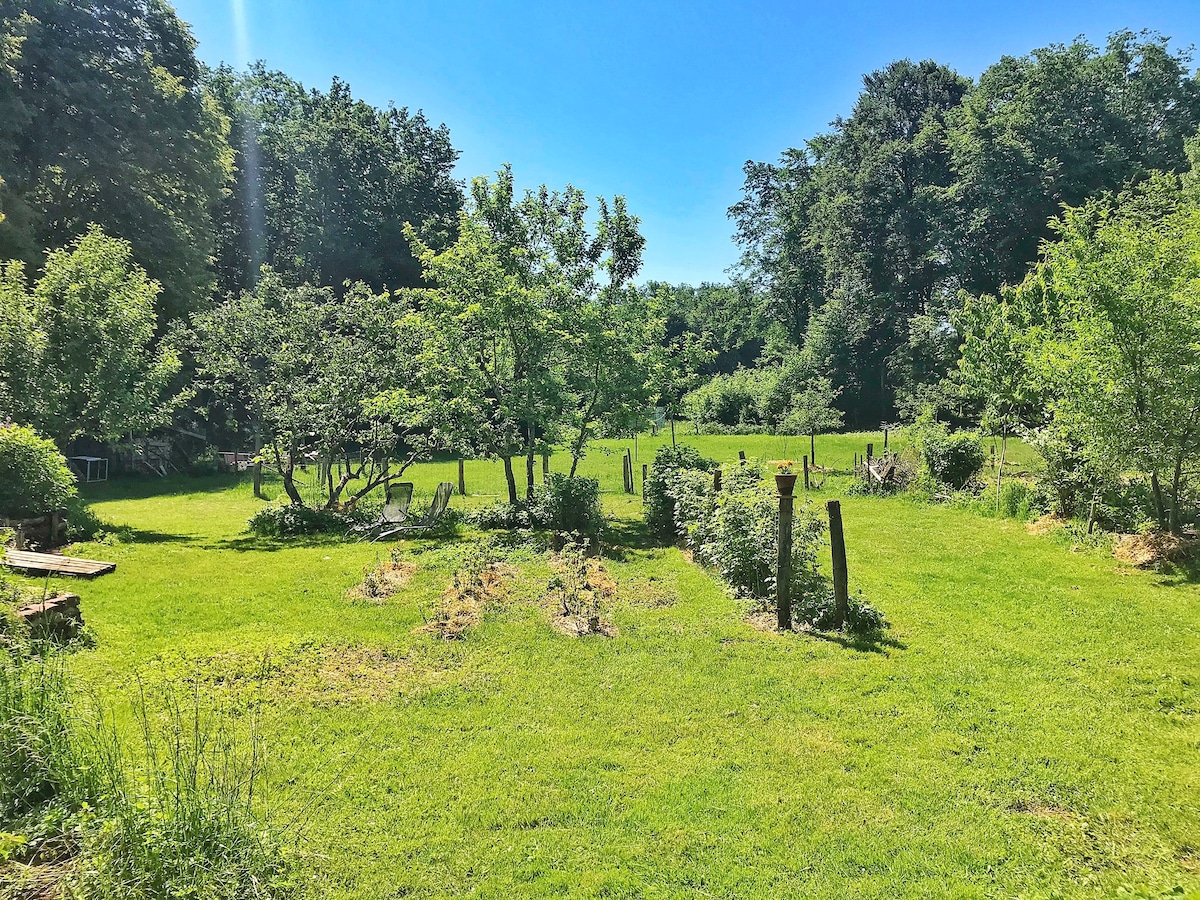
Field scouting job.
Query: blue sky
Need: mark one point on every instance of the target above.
(661, 102)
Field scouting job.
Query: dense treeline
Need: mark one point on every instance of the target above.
(107, 118)
(858, 243)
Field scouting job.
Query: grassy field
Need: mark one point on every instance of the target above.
(1029, 728)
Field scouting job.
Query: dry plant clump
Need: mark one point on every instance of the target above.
(579, 590)
(482, 582)
(1045, 524)
(1154, 549)
(384, 579)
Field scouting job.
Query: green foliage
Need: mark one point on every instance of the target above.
(951, 459)
(659, 508)
(818, 609)
(855, 245)
(537, 329)
(318, 378)
(188, 823)
(736, 531)
(294, 520)
(568, 504)
(91, 365)
(1114, 309)
(34, 477)
(324, 184)
(103, 121)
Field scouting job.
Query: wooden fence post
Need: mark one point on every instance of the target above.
(716, 480)
(645, 472)
(870, 456)
(806, 481)
(885, 437)
(837, 546)
(785, 483)
(742, 455)
(462, 481)
(545, 466)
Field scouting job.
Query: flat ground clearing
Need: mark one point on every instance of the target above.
(1031, 729)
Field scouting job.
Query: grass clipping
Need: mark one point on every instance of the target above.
(580, 591)
(1154, 549)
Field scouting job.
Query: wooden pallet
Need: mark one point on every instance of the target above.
(59, 565)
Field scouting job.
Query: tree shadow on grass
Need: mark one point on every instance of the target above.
(146, 487)
(623, 535)
(127, 535)
(865, 642)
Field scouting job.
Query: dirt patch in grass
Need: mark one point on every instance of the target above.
(1154, 550)
(383, 580)
(465, 600)
(580, 626)
(1044, 811)
(325, 674)
(44, 882)
(649, 593)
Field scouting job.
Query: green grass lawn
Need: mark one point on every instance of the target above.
(1030, 728)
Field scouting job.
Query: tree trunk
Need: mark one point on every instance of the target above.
(257, 461)
(1175, 487)
(1160, 511)
(511, 479)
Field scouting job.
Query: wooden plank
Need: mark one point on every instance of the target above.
(50, 562)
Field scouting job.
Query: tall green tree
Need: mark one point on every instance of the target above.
(103, 120)
(550, 337)
(1054, 128)
(325, 183)
(317, 379)
(88, 362)
(1114, 337)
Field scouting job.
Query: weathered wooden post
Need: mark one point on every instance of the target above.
(257, 463)
(885, 437)
(837, 546)
(716, 481)
(545, 466)
(742, 455)
(806, 481)
(629, 469)
(785, 483)
(462, 481)
(645, 474)
(812, 447)
(870, 456)
(672, 433)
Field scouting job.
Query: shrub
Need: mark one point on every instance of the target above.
(294, 520)
(568, 504)
(34, 477)
(1015, 501)
(206, 463)
(82, 523)
(736, 532)
(659, 509)
(950, 459)
(818, 609)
